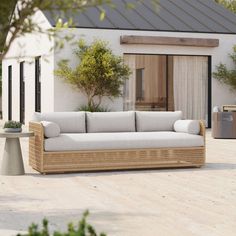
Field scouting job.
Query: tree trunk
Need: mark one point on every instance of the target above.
(90, 101)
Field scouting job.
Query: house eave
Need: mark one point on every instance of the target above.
(151, 30)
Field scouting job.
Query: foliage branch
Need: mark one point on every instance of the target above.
(225, 75)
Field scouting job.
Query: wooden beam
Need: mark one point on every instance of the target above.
(174, 41)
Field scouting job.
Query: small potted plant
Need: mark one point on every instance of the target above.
(12, 126)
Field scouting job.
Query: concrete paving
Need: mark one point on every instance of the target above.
(191, 202)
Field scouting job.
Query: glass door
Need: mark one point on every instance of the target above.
(190, 87)
(148, 90)
(168, 83)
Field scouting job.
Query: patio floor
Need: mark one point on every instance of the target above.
(153, 202)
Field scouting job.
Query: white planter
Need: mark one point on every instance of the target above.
(12, 130)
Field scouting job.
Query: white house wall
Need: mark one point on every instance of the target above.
(26, 48)
(56, 95)
(67, 98)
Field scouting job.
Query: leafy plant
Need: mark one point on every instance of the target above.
(16, 16)
(12, 124)
(229, 4)
(83, 229)
(99, 72)
(225, 75)
(0, 78)
(91, 109)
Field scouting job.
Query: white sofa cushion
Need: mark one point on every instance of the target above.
(147, 121)
(51, 129)
(69, 122)
(187, 126)
(125, 140)
(110, 121)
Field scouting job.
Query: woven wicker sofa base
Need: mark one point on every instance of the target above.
(79, 161)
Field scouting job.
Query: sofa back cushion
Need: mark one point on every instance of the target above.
(98, 122)
(148, 121)
(69, 122)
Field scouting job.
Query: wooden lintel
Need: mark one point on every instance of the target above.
(175, 41)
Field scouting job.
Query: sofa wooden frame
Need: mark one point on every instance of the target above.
(94, 160)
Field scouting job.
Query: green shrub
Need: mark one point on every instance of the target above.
(83, 229)
(225, 75)
(12, 124)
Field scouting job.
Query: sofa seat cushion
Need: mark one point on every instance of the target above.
(125, 140)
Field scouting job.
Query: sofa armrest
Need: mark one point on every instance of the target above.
(36, 145)
(202, 129)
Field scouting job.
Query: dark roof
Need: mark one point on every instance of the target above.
(204, 16)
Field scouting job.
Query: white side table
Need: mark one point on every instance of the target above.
(12, 162)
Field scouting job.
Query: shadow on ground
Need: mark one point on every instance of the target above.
(103, 221)
(207, 167)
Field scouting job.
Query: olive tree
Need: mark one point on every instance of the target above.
(98, 73)
(229, 4)
(16, 16)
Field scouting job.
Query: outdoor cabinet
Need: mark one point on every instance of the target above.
(224, 125)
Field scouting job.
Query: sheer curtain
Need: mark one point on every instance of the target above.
(190, 75)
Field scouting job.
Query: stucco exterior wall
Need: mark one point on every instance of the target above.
(56, 95)
(26, 48)
(67, 98)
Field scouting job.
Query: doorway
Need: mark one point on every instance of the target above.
(169, 83)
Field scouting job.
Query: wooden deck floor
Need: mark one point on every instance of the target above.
(191, 202)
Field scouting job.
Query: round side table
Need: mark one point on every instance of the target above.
(12, 162)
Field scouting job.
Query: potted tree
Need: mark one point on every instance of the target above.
(99, 73)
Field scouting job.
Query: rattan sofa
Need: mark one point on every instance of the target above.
(53, 155)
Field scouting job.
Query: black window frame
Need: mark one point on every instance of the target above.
(22, 92)
(10, 92)
(38, 84)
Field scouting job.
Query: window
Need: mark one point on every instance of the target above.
(38, 84)
(9, 92)
(22, 93)
(140, 85)
(149, 80)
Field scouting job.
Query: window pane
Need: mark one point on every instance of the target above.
(38, 84)
(139, 85)
(150, 82)
(9, 92)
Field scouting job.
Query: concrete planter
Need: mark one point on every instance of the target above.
(13, 130)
